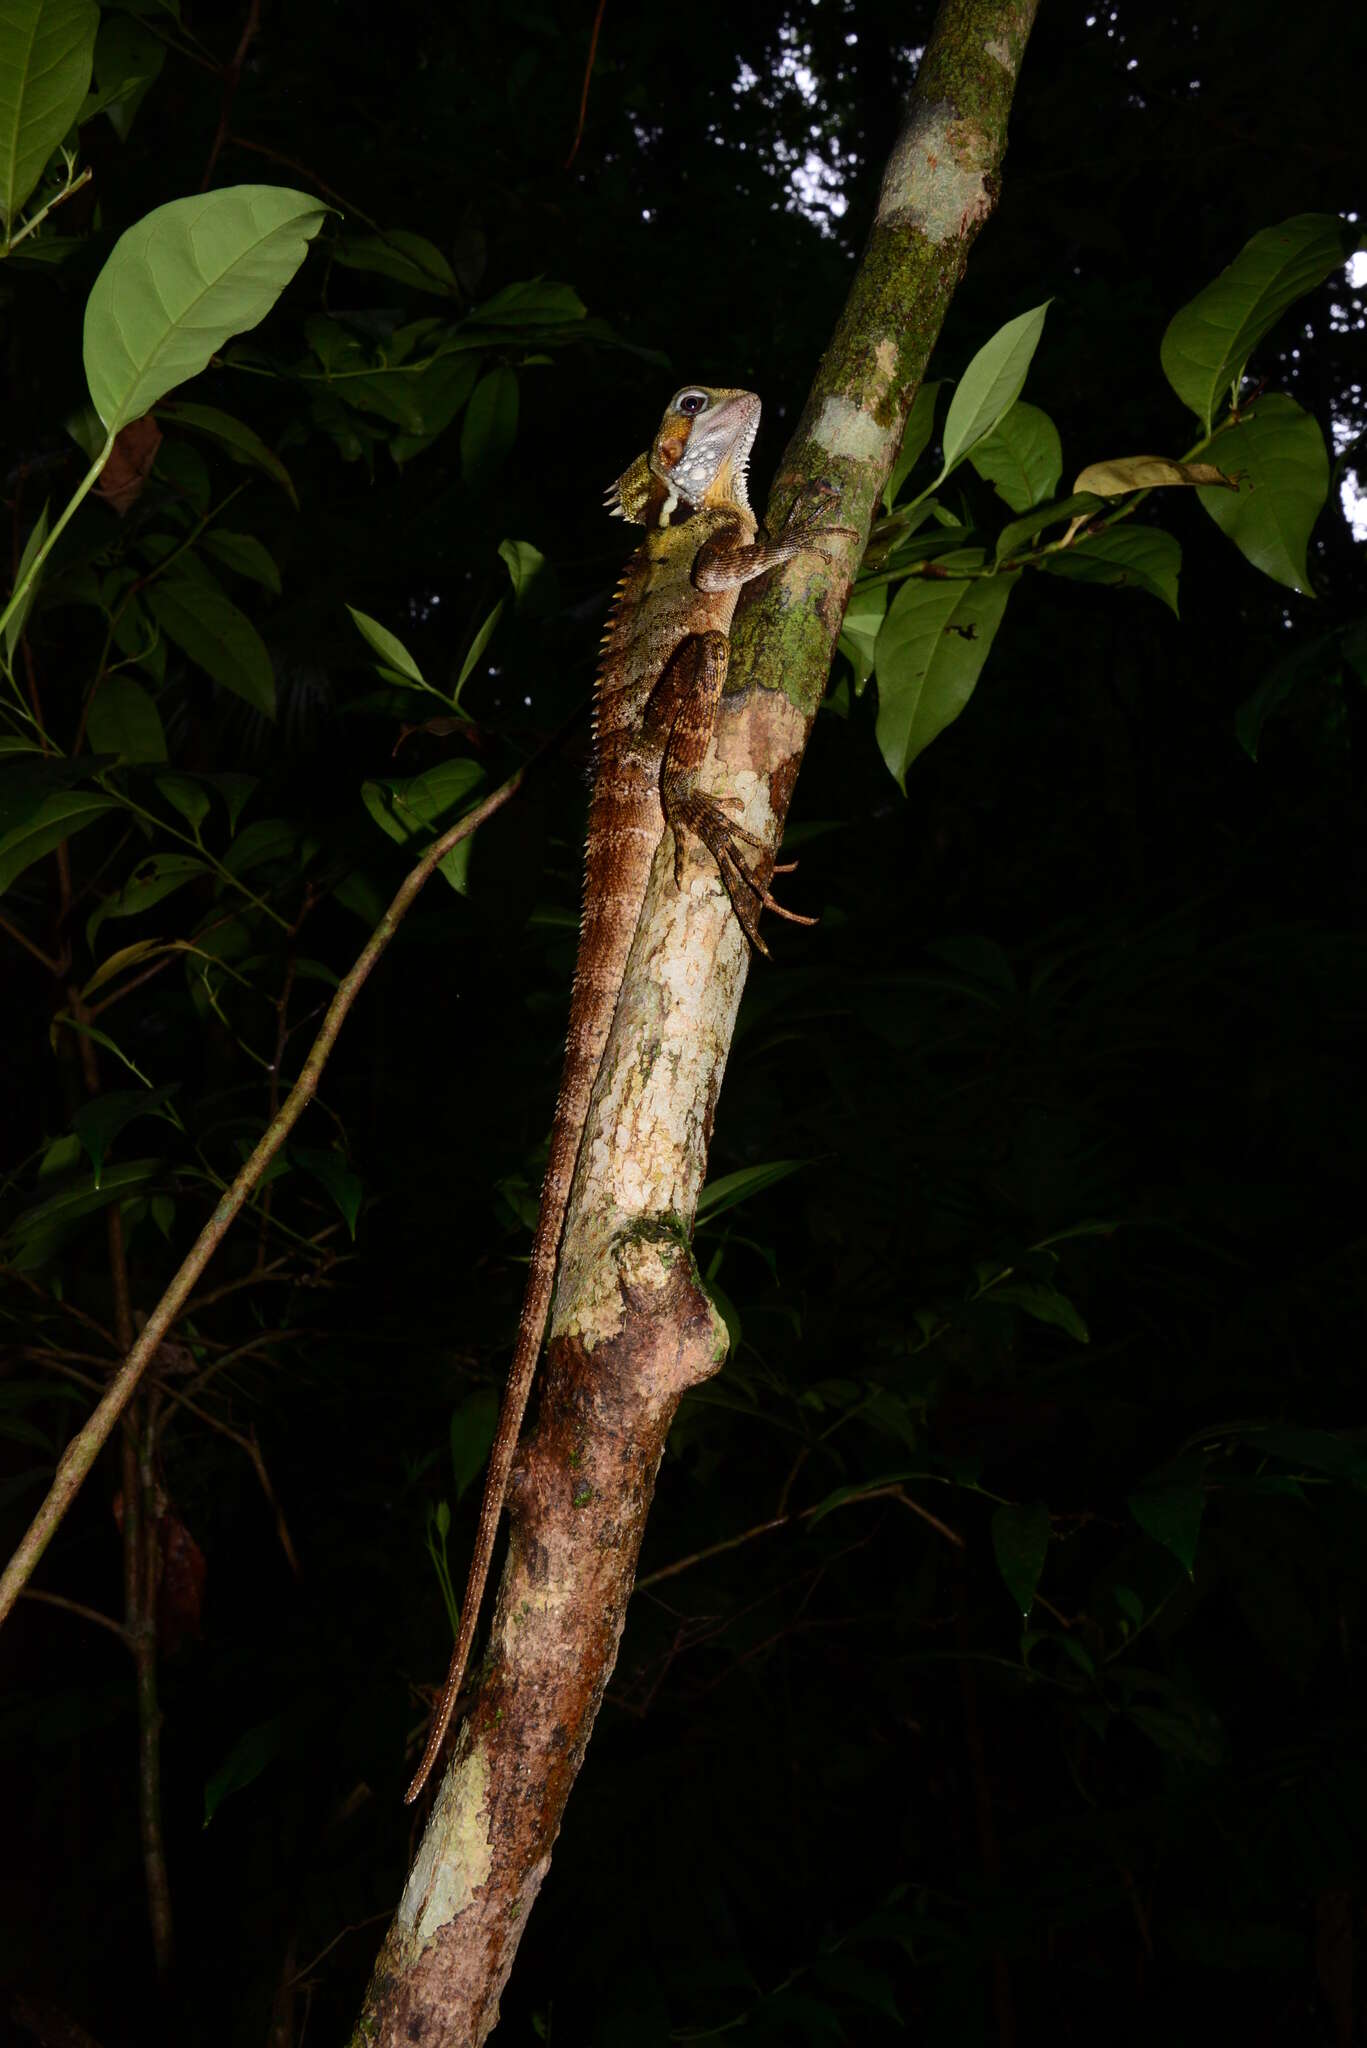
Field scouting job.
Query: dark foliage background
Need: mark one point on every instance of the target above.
(1098, 967)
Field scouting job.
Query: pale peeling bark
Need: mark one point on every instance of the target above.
(631, 1328)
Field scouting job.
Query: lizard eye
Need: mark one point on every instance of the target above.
(691, 402)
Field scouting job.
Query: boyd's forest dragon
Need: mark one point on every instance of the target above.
(664, 664)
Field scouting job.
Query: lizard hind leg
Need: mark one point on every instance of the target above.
(684, 702)
(704, 817)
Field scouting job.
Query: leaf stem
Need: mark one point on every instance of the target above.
(30, 576)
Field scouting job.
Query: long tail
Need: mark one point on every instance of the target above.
(566, 1134)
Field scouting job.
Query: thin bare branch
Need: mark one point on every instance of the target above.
(86, 1445)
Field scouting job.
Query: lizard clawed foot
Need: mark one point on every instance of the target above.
(802, 527)
(705, 818)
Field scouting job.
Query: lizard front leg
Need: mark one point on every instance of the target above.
(721, 565)
(681, 712)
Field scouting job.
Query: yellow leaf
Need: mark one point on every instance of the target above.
(1146, 473)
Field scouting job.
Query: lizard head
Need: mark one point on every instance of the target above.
(700, 455)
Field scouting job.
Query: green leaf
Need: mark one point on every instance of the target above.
(64, 1021)
(186, 794)
(490, 426)
(28, 779)
(47, 49)
(1278, 455)
(252, 1753)
(181, 281)
(127, 956)
(98, 1123)
(731, 1188)
(345, 1187)
(388, 646)
(857, 1983)
(60, 817)
(265, 840)
(152, 879)
(929, 656)
(14, 624)
(533, 304)
(124, 720)
(205, 624)
(473, 1422)
(524, 564)
(34, 1237)
(1045, 1304)
(1020, 1541)
(1209, 341)
(1079, 505)
(1022, 457)
(236, 792)
(727, 1310)
(917, 432)
(859, 630)
(237, 440)
(477, 646)
(1186, 1730)
(1341, 1457)
(128, 59)
(417, 812)
(1143, 556)
(990, 385)
(1169, 1509)
(244, 554)
(410, 259)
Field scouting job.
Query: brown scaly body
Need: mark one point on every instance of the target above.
(664, 664)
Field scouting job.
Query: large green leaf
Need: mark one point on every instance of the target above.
(400, 254)
(917, 432)
(1209, 341)
(1169, 1508)
(128, 59)
(47, 50)
(28, 778)
(389, 647)
(991, 384)
(156, 876)
(419, 811)
(245, 555)
(533, 304)
(1020, 1542)
(34, 1237)
(859, 630)
(207, 625)
(1022, 457)
(61, 817)
(929, 656)
(124, 720)
(1143, 556)
(241, 444)
(345, 1187)
(473, 1422)
(1277, 452)
(730, 1188)
(489, 427)
(181, 282)
(98, 1123)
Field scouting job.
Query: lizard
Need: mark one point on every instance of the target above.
(664, 662)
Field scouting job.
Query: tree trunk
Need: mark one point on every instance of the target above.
(631, 1328)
